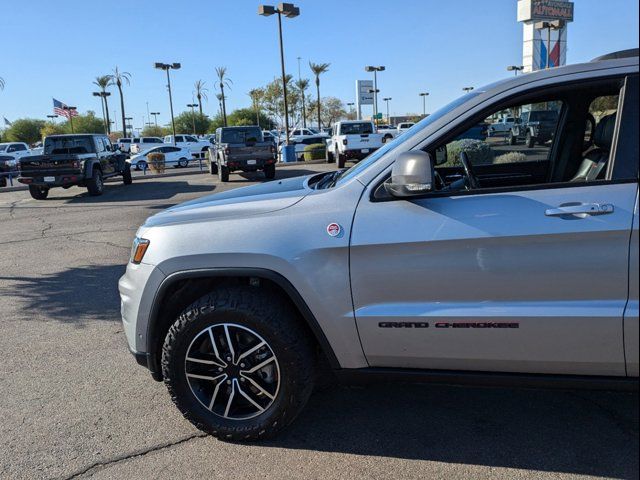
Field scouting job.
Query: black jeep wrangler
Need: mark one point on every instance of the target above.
(85, 160)
(534, 126)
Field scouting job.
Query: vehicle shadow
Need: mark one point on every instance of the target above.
(141, 191)
(586, 433)
(74, 295)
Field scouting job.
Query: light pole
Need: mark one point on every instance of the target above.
(467, 89)
(70, 111)
(193, 115)
(289, 10)
(166, 67)
(52, 117)
(375, 71)
(515, 68)
(350, 105)
(103, 96)
(386, 100)
(155, 117)
(424, 96)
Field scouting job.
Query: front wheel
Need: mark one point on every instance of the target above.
(512, 138)
(39, 193)
(213, 168)
(341, 160)
(270, 171)
(329, 156)
(183, 162)
(530, 140)
(238, 364)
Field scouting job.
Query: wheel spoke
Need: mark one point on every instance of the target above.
(231, 350)
(253, 402)
(202, 377)
(215, 347)
(215, 391)
(262, 364)
(206, 362)
(249, 352)
(257, 385)
(230, 401)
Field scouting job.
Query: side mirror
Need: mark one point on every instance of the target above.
(412, 175)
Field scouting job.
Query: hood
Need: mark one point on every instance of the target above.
(239, 202)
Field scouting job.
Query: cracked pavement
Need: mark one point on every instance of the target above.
(74, 404)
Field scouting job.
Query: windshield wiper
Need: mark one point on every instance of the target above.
(328, 180)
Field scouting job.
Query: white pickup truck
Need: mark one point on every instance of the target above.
(352, 140)
(198, 148)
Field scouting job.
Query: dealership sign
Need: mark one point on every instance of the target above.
(536, 10)
(364, 92)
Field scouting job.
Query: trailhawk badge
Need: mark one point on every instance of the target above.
(333, 229)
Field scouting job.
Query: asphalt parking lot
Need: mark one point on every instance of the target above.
(74, 404)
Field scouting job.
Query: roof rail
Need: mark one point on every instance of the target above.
(632, 52)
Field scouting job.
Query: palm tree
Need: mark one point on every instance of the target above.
(219, 97)
(201, 93)
(118, 78)
(103, 82)
(302, 85)
(256, 97)
(221, 72)
(318, 69)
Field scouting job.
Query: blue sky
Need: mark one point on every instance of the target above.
(56, 48)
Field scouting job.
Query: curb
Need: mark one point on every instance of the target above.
(18, 188)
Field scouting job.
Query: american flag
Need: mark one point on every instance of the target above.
(59, 109)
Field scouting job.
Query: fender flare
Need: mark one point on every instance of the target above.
(89, 165)
(293, 294)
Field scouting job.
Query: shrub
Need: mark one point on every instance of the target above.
(511, 157)
(315, 151)
(156, 162)
(479, 152)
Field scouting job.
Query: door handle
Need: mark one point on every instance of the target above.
(580, 210)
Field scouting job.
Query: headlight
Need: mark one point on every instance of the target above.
(140, 246)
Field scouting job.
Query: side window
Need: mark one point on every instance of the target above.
(191, 139)
(20, 147)
(99, 144)
(179, 138)
(11, 148)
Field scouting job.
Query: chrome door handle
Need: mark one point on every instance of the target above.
(581, 210)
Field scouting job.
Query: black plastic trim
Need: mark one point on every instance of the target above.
(488, 379)
(278, 279)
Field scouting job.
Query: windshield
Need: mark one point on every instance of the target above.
(356, 128)
(70, 145)
(241, 135)
(406, 136)
(3, 147)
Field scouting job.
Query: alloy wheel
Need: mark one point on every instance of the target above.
(232, 371)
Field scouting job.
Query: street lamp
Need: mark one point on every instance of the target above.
(166, 67)
(424, 103)
(289, 10)
(467, 89)
(103, 100)
(193, 115)
(52, 117)
(375, 71)
(70, 111)
(387, 99)
(515, 68)
(155, 117)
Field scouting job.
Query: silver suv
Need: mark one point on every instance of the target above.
(444, 256)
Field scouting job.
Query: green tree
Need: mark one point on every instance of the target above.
(118, 79)
(87, 123)
(318, 69)
(256, 95)
(25, 130)
(201, 93)
(224, 81)
(102, 82)
(332, 110)
(153, 131)
(302, 85)
(51, 128)
(273, 99)
(247, 116)
(185, 122)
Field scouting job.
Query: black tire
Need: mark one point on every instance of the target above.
(530, 140)
(95, 184)
(275, 321)
(223, 173)
(3, 181)
(213, 168)
(142, 165)
(39, 193)
(328, 156)
(512, 138)
(183, 163)
(341, 160)
(270, 171)
(126, 175)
